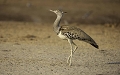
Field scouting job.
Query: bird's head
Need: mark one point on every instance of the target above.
(58, 12)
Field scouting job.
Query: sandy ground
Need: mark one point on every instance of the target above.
(34, 49)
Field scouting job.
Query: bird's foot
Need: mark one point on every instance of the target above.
(69, 60)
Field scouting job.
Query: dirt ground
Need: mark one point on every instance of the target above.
(28, 48)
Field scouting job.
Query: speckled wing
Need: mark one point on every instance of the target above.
(76, 33)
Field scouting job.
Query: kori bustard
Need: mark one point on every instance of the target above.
(70, 33)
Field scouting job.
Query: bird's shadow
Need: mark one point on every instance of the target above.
(105, 52)
(113, 63)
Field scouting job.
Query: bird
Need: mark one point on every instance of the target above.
(70, 33)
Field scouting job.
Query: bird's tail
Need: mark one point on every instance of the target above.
(92, 42)
(89, 40)
(95, 45)
(86, 38)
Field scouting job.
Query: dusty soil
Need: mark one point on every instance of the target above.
(34, 49)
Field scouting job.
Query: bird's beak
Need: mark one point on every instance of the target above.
(51, 10)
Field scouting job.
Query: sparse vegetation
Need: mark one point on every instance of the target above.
(103, 11)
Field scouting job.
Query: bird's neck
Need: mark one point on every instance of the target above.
(56, 25)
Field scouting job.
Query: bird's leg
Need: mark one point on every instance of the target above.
(75, 47)
(69, 60)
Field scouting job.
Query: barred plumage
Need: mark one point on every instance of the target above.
(74, 33)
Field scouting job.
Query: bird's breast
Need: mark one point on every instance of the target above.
(62, 36)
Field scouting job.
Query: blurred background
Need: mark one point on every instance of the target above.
(78, 11)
